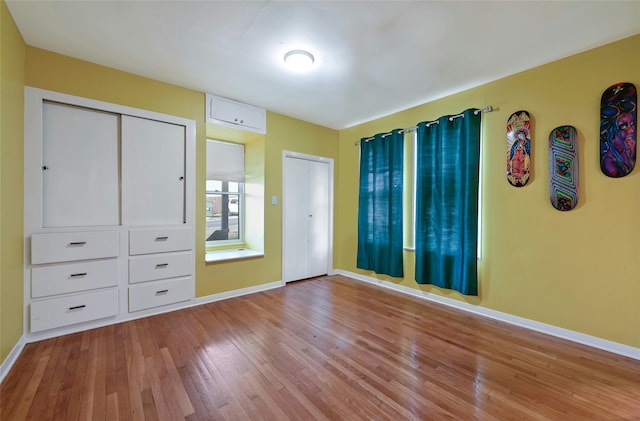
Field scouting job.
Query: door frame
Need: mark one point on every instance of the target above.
(314, 158)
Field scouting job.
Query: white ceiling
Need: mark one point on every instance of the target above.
(373, 58)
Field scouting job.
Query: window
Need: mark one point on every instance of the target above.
(225, 193)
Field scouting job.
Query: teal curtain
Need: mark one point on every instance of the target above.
(380, 204)
(447, 171)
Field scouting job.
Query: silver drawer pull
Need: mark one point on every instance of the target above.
(77, 307)
(77, 243)
(163, 291)
(162, 265)
(76, 275)
(162, 238)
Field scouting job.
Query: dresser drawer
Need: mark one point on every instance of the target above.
(73, 277)
(70, 246)
(159, 266)
(160, 293)
(160, 240)
(64, 311)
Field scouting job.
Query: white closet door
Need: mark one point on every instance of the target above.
(318, 218)
(153, 172)
(296, 219)
(306, 201)
(79, 167)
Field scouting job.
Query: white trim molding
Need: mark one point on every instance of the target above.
(11, 359)
(232, 254)
(236, 293)
(570, 335)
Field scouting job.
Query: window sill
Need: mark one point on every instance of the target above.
(233, 254)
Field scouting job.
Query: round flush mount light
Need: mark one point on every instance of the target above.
(299, 60)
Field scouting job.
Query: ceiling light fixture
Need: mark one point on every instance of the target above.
(299, 60)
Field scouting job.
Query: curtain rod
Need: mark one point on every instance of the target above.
(486, 109)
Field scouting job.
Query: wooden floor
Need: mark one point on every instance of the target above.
(325, 348)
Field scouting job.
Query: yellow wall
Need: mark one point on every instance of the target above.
(12, 52)
(578, 270)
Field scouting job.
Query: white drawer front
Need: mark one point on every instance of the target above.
(160, 240)
(160, 293)
(70, 246)
(74, 277)
(64, 311)
(161, 266)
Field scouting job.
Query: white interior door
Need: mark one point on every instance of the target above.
(307, 203)
(296, 219)
(318, 200)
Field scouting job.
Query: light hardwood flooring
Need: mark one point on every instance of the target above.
(328, 348)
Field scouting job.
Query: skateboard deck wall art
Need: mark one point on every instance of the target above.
(518, 148)
(618, 135)
(564, 168)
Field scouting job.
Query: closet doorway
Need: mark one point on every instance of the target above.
(307, 216)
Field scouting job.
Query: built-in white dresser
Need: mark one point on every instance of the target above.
(109, 213)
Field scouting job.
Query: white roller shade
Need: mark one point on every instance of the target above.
(225, 161)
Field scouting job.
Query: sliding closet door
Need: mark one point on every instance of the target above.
(295, 220)
(153, 172)
(318, 196)
(79, 166)
(306, 218)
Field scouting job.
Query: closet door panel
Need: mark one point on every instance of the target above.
(79, 167)
(296, 200)
(153, 172)
(318, 189)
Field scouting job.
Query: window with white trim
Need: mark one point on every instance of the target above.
(225, 193)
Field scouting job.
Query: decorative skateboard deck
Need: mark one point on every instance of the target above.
(563, 167)
(618, 136)
(518, 148)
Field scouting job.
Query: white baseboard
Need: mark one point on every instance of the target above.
(237, 293)
(595, 342)
(11, 359)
